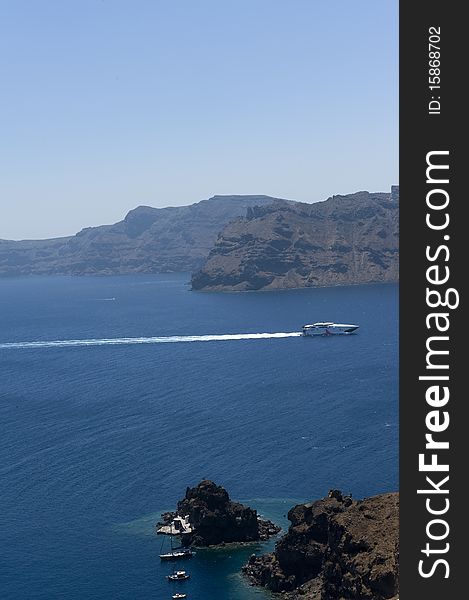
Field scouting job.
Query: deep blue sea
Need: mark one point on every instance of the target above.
(97, 440)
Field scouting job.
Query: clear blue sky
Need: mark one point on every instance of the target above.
(108, 104)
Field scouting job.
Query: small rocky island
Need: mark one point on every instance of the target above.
(335, 548)
(207, 517)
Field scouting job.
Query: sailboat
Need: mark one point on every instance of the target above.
(176, 553)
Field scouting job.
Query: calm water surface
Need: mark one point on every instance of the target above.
(96, 441)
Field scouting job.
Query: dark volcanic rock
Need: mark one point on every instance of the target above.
(148, 240)
(344, 240)
(216, 519)
(336, 548)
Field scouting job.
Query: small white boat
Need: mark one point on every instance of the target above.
(178, 576)
(177, 554)
(178, 596)
(328, 328)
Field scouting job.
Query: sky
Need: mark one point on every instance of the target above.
(110, 104)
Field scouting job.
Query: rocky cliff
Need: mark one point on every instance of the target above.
(216, 519)
(336, 548)
(148, 240)
(343, 240)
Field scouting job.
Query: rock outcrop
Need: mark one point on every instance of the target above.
(215, 519)
(342, 241)
(336, 548)
(148, 240)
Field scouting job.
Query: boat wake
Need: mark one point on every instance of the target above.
(127, 341)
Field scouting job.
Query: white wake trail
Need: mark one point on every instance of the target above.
(172, 339)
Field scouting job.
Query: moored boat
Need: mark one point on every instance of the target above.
(178, 576)
(177, 554)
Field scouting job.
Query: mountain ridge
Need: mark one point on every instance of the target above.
(231, 243)
(344, 240)
(147, 240)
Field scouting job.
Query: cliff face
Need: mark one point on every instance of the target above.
(344, 240)
(335, 548)
(278, 244)
(216, 519)
(148, 240)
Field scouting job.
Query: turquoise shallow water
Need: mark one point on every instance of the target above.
(97, 440)
(215, 572)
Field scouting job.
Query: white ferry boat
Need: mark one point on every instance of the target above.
(328, 328)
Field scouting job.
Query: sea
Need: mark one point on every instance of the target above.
(116, 393)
